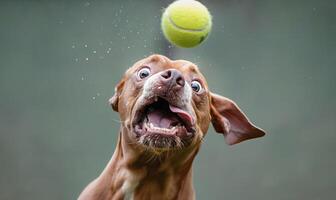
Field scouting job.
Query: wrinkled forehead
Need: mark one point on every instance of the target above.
(160, 63)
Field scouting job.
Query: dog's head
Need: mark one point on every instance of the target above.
(166, 105)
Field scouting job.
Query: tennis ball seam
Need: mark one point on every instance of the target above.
(182, 28)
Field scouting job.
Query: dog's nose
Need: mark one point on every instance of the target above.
(174, 76)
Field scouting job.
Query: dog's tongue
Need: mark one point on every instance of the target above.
(161, 118)
(165, 119)
(181, 113)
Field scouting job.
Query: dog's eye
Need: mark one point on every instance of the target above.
(196, 86)
(144, 72)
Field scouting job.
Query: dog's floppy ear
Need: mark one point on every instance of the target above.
(114, 100)
(228, 119)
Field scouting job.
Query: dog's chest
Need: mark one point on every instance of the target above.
(129, 186)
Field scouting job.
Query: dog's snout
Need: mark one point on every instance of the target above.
(174, 76)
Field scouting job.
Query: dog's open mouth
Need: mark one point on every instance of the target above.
(162, 125)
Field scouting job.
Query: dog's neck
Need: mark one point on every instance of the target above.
(135, 174)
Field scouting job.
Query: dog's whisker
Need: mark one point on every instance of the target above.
(118, 121)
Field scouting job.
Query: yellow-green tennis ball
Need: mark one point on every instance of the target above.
(186, 23)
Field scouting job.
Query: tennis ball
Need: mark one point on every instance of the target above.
(186, 23)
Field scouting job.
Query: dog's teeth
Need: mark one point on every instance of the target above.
(156, 98)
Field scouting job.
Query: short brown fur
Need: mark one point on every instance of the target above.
(136, 172)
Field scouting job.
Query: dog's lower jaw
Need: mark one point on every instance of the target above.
(129, 176)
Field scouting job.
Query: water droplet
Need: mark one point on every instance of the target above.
(85, 45)
(94, 51)
(86, 59)
(73, 46)
(76, 59)
(82, 78)
(93, 98)
(98, 94)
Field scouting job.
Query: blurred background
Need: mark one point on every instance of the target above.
(60, 61)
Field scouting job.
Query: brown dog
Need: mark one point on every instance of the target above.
(165, 109)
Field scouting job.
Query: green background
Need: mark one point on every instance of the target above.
(60, 61)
